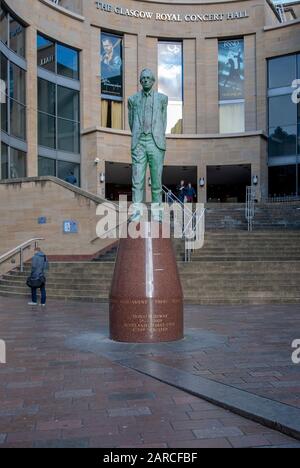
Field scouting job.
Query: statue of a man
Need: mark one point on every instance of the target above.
(148, 122)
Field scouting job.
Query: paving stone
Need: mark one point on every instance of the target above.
(128, 411)
(71, 443)
(132, 396)
(217, 432)
(198, 443)
(2, 438)
(249, 441)
(74, 394)
(59, 424)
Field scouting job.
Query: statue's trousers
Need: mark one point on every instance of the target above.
(146, 152)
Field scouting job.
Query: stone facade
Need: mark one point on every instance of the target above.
(24, 201)
(200, 144)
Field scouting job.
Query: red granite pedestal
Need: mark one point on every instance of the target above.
(146, 299)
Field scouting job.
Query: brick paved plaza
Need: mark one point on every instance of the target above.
(52, 395)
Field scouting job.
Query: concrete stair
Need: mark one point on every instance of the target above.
(268, 216)
(233, 267)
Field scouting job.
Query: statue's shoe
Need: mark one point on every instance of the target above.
(135, 217)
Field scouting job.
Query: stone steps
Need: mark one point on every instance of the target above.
(233, 267)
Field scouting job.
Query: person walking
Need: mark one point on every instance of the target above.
(190, 193)
(37, 278)
(181, 191)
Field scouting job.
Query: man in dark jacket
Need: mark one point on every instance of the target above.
(39, 267)
(181, 189)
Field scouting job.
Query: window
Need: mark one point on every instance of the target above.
(4, 92)
(47, 167)
(67, 62)
(170, 81)
(60, 169)
(3, 25)
(47, 131)
(231, 86)
(4, 161)
(284, 126)
(13, 163)
(46, 54)
(282, 141)
(67, 103)
(57, 58)
(13, 109)
(58, 107)
(282, 181)
(17, 164)
(12, 32)
(282, 71)
(59, 114)
(65, 169)
(111, 81)
(46, 94)
(68, 136)
(16, 37)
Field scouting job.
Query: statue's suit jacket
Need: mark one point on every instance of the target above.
(159, 118)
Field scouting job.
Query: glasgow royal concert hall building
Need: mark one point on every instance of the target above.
(231, 70)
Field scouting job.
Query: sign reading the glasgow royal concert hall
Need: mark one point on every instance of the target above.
(171, 17)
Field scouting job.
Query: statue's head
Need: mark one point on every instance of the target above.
(147, 79)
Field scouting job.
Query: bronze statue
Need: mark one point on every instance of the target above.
(148, 121)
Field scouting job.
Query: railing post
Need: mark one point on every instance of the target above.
(21, 260)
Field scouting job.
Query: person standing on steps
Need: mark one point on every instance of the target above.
(37, 278)
(190, 193)
(181, 191)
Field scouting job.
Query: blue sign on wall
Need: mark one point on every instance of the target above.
(70, 227)
(42, 220)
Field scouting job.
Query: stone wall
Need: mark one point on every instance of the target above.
(24, 201)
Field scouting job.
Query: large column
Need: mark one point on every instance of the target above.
(212, 91)
(90, 109)
(189, 108)
(261, 77)
(90, 79)
(200, 85)
(131, 70)
(250, 83)
(32, 102)
(202, 191)
(152, 57)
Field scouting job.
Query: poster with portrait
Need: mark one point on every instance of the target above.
(111, 65)
(231, 70)
(170, 70)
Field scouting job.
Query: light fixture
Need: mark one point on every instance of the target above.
(96, 161)
(255, 180)
(102, 177)
(201, 182)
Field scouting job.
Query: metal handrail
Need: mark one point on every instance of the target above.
(194, 218)
(19, 250)
(166, 192)
(250, 207)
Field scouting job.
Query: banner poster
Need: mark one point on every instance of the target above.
(231, 70)
(111, 65)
